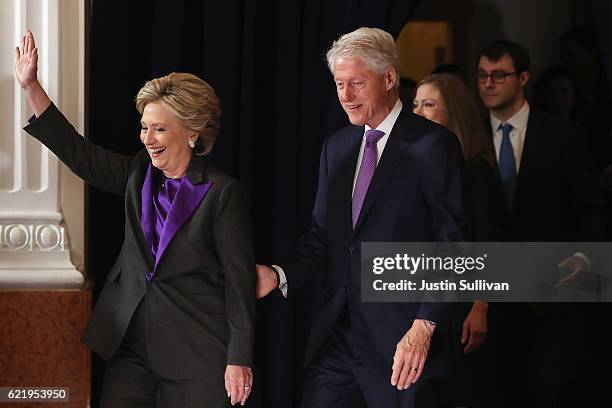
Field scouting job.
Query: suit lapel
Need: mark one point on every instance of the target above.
(346, 175)
(140, 187)
(146, 216)
(190, 194)
(390, 159)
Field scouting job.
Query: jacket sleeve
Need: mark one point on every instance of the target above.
(233, 234)
(311, 252)
(99, 167)
(442, 188)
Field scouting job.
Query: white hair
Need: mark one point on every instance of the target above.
(373, 46)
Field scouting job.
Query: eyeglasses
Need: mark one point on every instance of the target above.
(499, 77)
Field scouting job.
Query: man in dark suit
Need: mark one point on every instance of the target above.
(551, 195)
(389, 176)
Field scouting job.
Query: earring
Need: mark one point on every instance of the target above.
(191, 143)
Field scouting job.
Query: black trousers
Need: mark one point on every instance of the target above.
(131, 382)
(336, 379)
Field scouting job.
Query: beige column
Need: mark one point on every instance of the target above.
(41, 202)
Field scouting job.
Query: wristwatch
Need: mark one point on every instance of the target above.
(280, 285)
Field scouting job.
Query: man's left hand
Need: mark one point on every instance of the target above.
(578, 268)
(411, 353)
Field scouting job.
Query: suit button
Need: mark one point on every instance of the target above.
(346, 289)
(351, 248)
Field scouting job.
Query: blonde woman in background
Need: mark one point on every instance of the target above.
(444, 99)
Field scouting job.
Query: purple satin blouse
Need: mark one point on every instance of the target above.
(162, 202)
(165, 208)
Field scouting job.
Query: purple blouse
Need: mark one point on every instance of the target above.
(162, 202)
(165, 208)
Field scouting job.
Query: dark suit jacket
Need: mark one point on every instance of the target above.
(485, 210)
(485, 203)
(200, 304)
(556, 200)
(556, 197)
(415, 195)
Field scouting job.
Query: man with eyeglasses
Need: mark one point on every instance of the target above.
(552, 196)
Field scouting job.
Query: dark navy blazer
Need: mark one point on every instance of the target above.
(415, 195)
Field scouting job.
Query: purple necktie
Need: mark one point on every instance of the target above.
(366, 171)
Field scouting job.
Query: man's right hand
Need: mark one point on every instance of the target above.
(267, 280)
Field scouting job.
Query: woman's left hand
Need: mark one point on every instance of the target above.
(475, 327)
(238, 383)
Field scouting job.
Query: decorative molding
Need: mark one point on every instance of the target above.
(49, 237)
(16, 237)
(35, 256)
(42, 236)
(34, 248)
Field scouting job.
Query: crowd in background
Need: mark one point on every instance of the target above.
(538, 154)
(574, 88)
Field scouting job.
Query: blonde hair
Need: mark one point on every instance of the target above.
(193, 102)
(373, 46)
(462, 116)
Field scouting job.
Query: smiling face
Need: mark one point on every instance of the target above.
(366, 97)
(166, 140)
(428, 103)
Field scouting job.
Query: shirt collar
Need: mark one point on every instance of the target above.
(387, 124)
(518, 120)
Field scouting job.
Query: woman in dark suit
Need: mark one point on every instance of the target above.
(176, 317)
(443, 98)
